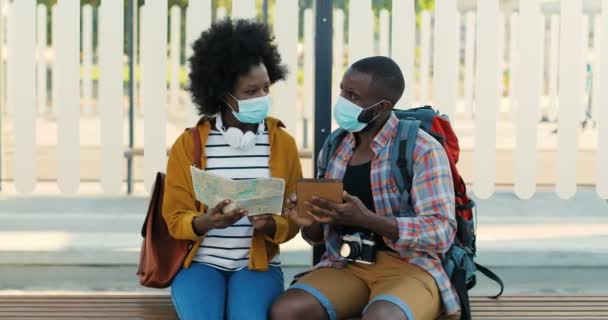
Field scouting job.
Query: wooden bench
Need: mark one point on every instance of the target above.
(157, 307)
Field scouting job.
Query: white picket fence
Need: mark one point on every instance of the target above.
(455, 60)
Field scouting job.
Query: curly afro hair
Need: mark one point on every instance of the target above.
(225, 51)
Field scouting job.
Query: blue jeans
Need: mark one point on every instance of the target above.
(202, 292)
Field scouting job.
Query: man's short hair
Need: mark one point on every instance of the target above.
(387, 79)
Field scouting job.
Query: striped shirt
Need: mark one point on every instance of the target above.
(429, 232)
(228, 249)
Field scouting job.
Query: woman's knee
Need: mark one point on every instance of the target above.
(295, 305)
(199, 293)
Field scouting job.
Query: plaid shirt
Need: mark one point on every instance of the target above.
(429, 232)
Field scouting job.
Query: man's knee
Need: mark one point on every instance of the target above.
(383, 310)
(285, 307)
(296, 304)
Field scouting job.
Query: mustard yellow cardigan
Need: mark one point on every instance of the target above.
(179, 206)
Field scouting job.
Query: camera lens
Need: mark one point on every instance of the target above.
(345, 250)
(350, 250)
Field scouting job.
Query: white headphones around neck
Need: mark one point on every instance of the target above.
(235, 137)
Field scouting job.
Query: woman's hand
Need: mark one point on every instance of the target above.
(291, 211)
(264, 223)
(311, 230)
(215, 218)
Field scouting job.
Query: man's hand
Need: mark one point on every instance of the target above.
(291, 211)
(216, 219)
(264, 223)
(352, 212)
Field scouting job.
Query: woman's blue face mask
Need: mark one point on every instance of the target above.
(347, 115)
(252, 110)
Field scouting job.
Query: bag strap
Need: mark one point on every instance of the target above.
(330, 146)
(403, 152)
(197, 152)
(155, 197)
(197, 147)
(408, 148)
(492, 276)
(459, 282)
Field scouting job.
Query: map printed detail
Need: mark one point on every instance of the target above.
(257, 196)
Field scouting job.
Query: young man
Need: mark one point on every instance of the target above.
(405, 279)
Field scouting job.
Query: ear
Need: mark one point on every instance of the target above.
(385, 106)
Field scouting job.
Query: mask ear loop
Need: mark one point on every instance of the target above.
(372, 106)
(228, 104)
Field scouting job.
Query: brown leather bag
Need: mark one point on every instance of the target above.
(162, 256)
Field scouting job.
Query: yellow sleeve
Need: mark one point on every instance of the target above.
(286, 229)
(179, 204)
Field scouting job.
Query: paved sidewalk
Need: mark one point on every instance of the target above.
(93, 243)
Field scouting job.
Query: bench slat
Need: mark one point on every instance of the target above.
(510, 317)
(156, 307)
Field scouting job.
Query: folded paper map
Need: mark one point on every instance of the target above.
(257, 196)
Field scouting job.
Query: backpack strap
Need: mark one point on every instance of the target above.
(458, 280)
(330, 146)
(409, 147)
(492, 276)
(401, 154)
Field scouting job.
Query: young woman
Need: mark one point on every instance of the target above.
(233, 270)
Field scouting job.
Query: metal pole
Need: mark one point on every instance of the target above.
(2, 78)
(323, 72)
(265, 10)
(130, 10)
(136, 85)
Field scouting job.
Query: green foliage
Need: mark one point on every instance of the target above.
(423, 5)
(377, 6)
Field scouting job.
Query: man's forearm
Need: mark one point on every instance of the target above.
(313, 233)
(384, 226)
